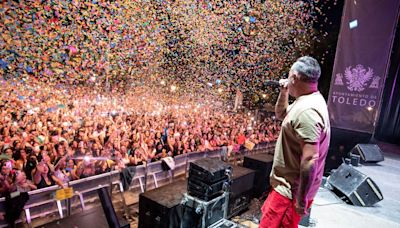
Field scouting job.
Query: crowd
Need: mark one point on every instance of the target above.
(50, 135)
(53, 131)
(188, 42)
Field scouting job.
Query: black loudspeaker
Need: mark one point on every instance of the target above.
(342, 141)
(368, 152)
(356, 186)
(241, 190)
(160, 207)
(262, 164)
(207, 178)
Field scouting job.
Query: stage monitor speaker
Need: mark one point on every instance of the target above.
(356, 186)
(368, 152)
(262, 164)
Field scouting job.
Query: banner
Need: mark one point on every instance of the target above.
(362, 55)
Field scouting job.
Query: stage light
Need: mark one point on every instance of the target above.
(353, 24)
(264, 95)
(369, 108)
(86, 158)
(173, 88)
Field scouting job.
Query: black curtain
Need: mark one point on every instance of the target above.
(388, 127)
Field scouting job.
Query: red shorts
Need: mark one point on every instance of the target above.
(279, 212)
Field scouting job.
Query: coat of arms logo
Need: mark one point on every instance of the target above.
(358, 77)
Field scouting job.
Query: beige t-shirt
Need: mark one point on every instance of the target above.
(306, 120)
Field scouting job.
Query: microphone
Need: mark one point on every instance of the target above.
(274, 83)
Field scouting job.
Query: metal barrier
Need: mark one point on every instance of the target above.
(140, 176)
(157, 174)
(214, 153)
(155, 171)
(37, 199)
(42, 201)
(93, 183)
(180, 165)
(193, 156)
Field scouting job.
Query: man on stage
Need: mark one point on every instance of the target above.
(301, 148)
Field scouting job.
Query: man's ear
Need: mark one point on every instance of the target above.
(296, 78)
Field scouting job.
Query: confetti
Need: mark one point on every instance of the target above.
(188, 43)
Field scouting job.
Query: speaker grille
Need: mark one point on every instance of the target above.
(346, 179)
(368, 152)
(356, 186)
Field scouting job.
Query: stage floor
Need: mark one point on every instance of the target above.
(330, 211)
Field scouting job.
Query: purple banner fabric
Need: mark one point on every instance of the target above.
(362, 55)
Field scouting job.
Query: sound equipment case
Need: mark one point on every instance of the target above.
(204, 191)
(208, 212)
(223, 223)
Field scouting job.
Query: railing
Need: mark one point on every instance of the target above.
(91, 184)
(42, 202)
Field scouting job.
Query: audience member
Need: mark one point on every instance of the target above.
(51, 135)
